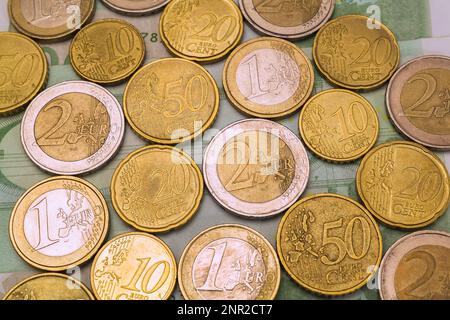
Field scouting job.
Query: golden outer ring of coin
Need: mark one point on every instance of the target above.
(340, 84)
(327, 158)
(134, 13)
(298, 280)
(248, 111)
(41, 84)
(51, 274)
(210, 59)
(113, 81)
(438, 161)
(191, 243)
(180, 223)
(127, 234)
(148, 137)
(86, 257)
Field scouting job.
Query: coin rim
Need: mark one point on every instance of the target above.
(131, 12)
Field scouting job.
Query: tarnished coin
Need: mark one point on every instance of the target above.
(134, 266)
(339, 125)
(49, 286)
(329, 244)
(23, 71)
(229, 262)
(287, 19)
(72, 128)
(417, 267)
(356, 52)
(403, 184)
(107, 51)
(418, 101)
(59, 223)
(50, 19)
(256, 168)
(133, 7)
(157, 188)
(170, 107)
(201, 30)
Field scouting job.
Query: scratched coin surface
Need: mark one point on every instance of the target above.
(107, 51)
(157, 188)
(72, 128)
(23, 71)
(418, 101)
(134, 266)
(356, 52)
(287, 19)
(403, 184)
(339, 125)
(59, 223)
(135, 7)
(50, 19)
(201, 30)
(170, 107)
(256, 168)
(329, 244)
(229, 262)
(417, 267)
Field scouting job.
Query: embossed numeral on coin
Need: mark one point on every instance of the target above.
(214, 27)
(370, 53)
(424, 186)
(172, 183)
(20, 74)
(121, 43)
(41, 210)
(210, 283)
(147, 276)
(353, 126)
(431, 86)
(254, 77)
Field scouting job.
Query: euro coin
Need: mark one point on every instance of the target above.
(133, 7)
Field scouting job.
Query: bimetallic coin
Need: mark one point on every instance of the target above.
(256, 168)
(49, 286)
(170, 107)
(201, 30)
(59, 223)
(134, 266)
(157, 188)
(107, 51)
(339, 125)
(356, 52)
(72, 128)
(403, 184)
(289, 19)
(416, 267)
(50, 19)
(133, 7)
(418, 101)
(23, 71)
(329, 244)
(229, 262)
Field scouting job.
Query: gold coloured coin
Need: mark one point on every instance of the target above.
(403, 184)
(157, 188)
(107, 51)
(339, 125)
(229, 262)
(201, 30)
(356, 52)
(134, 266)
(329, 244)
(170, 107)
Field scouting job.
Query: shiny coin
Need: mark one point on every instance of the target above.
(72, 128)
(268, 78)
(356, 52)
(107, 51)
(256, 168)
(23, 71)
(157, 188)
(287, 19)
(403, 184)
(418, 101)
(59, 223)
(339, 125)
(133, 7)
(134, 266)
(201, 30)
(329, 244)
(50, 19)
(169, 107)
(49, 286)
(229, 262)
(417, 267)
